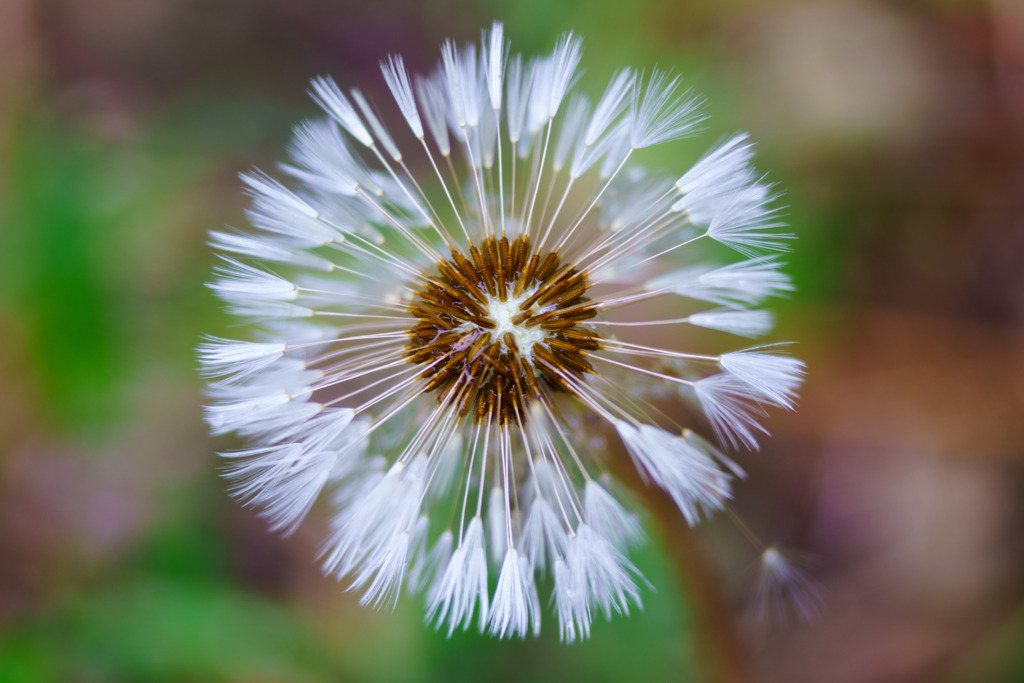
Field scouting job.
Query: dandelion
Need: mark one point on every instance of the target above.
(444, 317)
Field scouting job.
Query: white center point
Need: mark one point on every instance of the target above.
(502, 313)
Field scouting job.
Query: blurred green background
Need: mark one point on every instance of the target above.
(896, 130)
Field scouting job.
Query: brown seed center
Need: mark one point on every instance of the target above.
(500, 328)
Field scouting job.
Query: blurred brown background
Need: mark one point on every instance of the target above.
(896, 130)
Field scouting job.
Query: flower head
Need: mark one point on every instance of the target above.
(445, 342)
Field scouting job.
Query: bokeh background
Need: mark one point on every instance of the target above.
(896, 130)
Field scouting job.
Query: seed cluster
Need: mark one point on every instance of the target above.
(500, 328)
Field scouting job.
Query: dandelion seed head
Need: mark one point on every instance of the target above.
(445, 337)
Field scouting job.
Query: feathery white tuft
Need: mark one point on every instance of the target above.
(235, 360)
(741, 322)
(334, 102)
(494, 66)
(559, 73)
(692, 478)
(731, 406)
(608, 517)
(784, 588)
(397, 79)
(544, 537)
(744, 283)
(240, 282)
(602, 572)
(746, 224)
(267, 249)
(511, 611)
(286, 479)
(464, 583)
(722, 171)
(659, 114)
(773, 376)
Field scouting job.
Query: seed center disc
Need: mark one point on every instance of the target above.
(500, 328)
